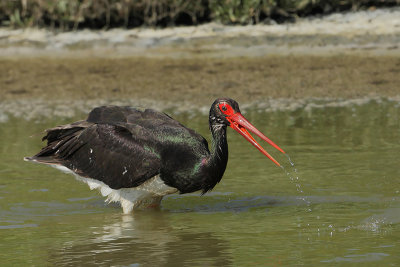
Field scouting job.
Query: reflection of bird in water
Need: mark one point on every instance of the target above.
(136, 157)
(142, 240)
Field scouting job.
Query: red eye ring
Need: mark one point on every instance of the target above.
(226, 109)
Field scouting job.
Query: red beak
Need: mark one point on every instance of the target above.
(241, 125)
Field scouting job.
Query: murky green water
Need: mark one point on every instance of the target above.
(344, 208)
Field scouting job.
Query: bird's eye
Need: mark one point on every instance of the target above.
(226, 109)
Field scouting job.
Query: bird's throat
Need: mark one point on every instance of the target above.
(218, 159)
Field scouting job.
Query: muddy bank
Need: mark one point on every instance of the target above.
(200, 80)
(342, 56)
(185, 83)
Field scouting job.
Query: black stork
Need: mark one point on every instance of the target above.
(136, 156)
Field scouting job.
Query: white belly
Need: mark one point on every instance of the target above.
(149, 193)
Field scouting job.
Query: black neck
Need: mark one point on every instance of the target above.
(218, 157)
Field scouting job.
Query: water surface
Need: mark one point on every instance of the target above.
(347, 210)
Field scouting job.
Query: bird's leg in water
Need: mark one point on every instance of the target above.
(154, 203)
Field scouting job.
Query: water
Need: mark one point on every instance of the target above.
(339, 204)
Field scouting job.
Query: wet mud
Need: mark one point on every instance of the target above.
(199, 81)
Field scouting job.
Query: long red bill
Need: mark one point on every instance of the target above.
(241, 125)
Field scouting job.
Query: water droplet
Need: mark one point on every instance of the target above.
(296, 180)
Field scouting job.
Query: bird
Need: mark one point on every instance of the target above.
(137, 156)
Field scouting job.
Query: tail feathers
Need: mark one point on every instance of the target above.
(59, 133)
(63, 131)
(56, 150)
(62, 142)
(29, 158)
(44, 160)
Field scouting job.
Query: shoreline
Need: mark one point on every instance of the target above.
(162, 83)
(198, 80)
(281, 66)
(39, 109)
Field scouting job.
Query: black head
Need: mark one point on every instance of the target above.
(221, 109)
(225, 112)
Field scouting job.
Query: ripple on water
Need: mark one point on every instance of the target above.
(368, 257)
(232, 203)
(15, 226)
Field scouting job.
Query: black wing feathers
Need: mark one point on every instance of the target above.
(109, 114)
(109, 155)
(100, 151)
